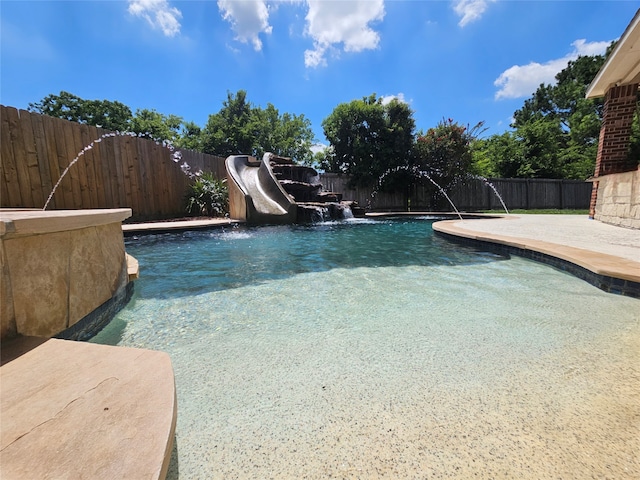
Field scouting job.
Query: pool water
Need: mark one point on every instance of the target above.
(374, 349)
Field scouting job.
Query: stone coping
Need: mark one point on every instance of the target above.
(133, 267)
(23, 222)
(610, 272)
(176, 226)
(81, 410)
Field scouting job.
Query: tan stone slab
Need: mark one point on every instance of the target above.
(179, 225)
(113, 252)
(133, 268)
(38, 268)
(87, 273)
(86, 411)
(8, 326)
(14, 223)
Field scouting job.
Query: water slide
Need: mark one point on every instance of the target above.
(255, 195)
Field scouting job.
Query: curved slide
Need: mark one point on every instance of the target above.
(255, 194)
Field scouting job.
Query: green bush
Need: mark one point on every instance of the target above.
(208, 196)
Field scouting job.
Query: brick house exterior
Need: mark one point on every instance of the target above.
(615, 195)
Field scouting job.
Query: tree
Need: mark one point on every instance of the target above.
(286, 135)
(191, 137)
(368, 138)
(240, 128)
(109, 115)
(157, 126)
(498, 156)
(556, 131)
(228, 132)
(445, 151)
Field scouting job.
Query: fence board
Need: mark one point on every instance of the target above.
(149, 196)
(42, 155)
(80, 171)
(20, 158)
(55, 170)
(98, 169)
(89, 161)
(179, 182)
(137, 190)
(157, 158)
(11, 185)
(73, 170)
(106, 165)
(129, 173)
(31, 158)
(113, 149)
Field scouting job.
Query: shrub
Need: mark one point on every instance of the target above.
(208, 196)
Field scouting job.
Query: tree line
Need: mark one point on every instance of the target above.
(237, 128)
(553, 135)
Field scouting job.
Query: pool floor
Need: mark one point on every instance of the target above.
(487, 368)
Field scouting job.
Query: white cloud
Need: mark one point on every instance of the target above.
(387, 98)
(346, 22)
(318, 147)
(522, 80)
(470, 10)
(248, 19)
(159, 15)
(593, 48)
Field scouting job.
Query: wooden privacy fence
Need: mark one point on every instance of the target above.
(471, 195)
(136, 173)
(118, 172)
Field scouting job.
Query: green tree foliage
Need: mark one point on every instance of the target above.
(109, 115)
(228, 132)
(191, 137)
(237, 128)
(498, 156)
(157, 126)
(368, 138)
(241, 128)
(445, 151)
(286, 135)
(555, 132)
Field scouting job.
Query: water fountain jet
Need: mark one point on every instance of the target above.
(176, 156)
(417, 173)
(492, 187)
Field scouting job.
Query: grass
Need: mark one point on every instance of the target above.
(548, 211)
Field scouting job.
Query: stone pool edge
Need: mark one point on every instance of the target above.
(609, 273)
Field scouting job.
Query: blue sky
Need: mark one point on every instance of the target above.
(469, 60)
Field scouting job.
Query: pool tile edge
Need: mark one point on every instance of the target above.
(607, 272)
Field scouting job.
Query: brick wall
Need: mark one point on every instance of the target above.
(619, 108)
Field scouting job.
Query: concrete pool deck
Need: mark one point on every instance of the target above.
(611, 254)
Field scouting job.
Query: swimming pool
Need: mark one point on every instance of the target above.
(373, 348)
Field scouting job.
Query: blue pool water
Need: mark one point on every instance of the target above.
(371, 349)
